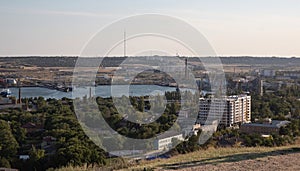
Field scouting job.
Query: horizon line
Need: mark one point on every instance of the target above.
(120, 56)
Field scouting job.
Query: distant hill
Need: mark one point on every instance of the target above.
(260, 60)
(115, 61)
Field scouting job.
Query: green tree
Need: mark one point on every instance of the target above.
(8, 143)
(35, 160)
(4, 162)
(141, 104)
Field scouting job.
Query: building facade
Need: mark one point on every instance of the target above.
(228, 111)
(263, 128)
(165, 141)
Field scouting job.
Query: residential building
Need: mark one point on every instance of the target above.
(229, 110)
(32, 127)
(273, 127)
(165, 141)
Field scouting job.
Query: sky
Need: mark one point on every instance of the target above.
(233, 27)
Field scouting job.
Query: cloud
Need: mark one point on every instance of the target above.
(56, 12)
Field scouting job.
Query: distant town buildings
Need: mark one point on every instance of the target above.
(8, 81)
(268, 73)
(8, 101)
(279, 74)
(291, 74)
(230, 110)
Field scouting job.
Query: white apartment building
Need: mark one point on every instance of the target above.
(229, 110)
(165, 141)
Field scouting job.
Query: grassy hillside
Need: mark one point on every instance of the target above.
(216, 156)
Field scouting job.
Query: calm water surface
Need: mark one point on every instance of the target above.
(102, 91)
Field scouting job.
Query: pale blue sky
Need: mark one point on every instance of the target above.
(233, 27)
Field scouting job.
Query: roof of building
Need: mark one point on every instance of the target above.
(29, 125)
(168, 134)
(274, 124)
(238, 96)
(226, 98)
(49, 138)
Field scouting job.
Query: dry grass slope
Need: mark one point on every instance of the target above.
(243, 158)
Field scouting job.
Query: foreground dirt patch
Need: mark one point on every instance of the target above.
(280, 161)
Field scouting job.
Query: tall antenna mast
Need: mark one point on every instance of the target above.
(186, 68)
(124, 43)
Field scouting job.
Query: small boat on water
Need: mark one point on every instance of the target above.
(5, 93)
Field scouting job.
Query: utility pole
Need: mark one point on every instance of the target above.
(19, 86)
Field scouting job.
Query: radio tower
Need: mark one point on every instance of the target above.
(124, 43)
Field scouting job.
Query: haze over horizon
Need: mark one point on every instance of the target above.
(61, 28)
